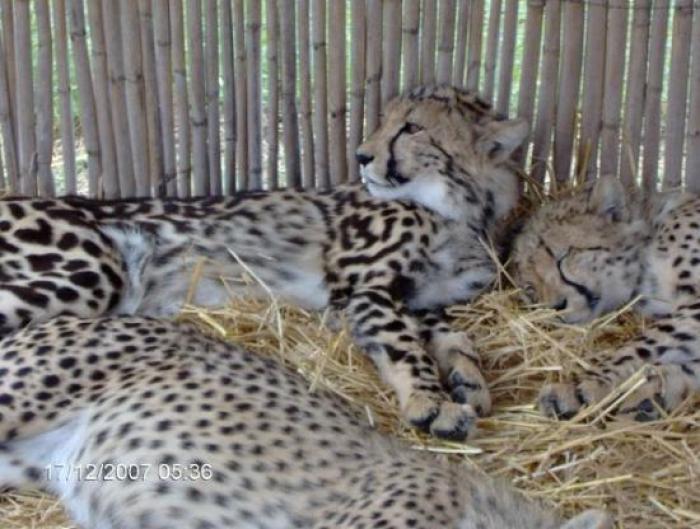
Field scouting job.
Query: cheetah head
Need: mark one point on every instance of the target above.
(442, 147)
(582, 254)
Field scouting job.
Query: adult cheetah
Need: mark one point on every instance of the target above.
(392, 252)
(144, 424)
(601, 249)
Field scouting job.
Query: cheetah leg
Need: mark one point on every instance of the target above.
(670, 344)
(457, 360)
(385, 330)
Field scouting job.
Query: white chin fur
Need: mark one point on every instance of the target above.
(426, 191)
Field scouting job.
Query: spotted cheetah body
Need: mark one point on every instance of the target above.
(391, 253)
(223, 439)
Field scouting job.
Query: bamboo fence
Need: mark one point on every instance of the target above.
(170, 97)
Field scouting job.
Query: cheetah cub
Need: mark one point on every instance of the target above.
(137, 423)
(595, 252)
(391, 252)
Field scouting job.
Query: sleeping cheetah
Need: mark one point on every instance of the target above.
(595, 252)
(391, 253)
(143, 424)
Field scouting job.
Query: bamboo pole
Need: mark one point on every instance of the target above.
(427, 51)
(692, 167)
(542, 135)
(110, 182)
(241, 67)
(336, 99)
(88, 120)
(25, 99)
(117, 96)
(177, 37)
(391, 58)
(447, 38)
(227, 59)
(461, 46)
(212, 97)
(634, 104)
(677, 94)
(614, 73)
(198, 116)
(3, 183)
(570, 77)
(594, 77)
(475, 38)
(410, 54)
(530, 67)
(7, 125)
(8, 32)
(318, 29)
(492, 42)
(273, 25)
(131, 40)
(308, 160)
(505, 78)
(67, 131)
(150, 91)
(652, 107)
(44, 103)
(253, 24)
(164, 83)
(374, 64)
(289, 107)
(357, 90)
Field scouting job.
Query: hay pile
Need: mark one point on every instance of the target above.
(646, 474)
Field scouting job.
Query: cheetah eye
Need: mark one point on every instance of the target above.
(412, 128)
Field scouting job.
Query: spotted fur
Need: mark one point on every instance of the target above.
(221, 438)
(597, 251)
(392, 254)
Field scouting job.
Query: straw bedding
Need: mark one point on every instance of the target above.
(646, 474)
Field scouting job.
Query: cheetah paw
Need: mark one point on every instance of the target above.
(564, 400)
(644, 410)
(467, 386)
(441, 418)
(646, 404)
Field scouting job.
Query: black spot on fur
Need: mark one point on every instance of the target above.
(67, 242)
(28, 295)
(43, 234)
(91, 248)
(16, 210)
(86, 279)
(112, 276)
(44, 262)
(67, 294)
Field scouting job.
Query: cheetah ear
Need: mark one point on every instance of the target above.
(501, 138)
(591, 519)
(608, 198)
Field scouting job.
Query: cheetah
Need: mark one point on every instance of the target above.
(599, 250)
(391, 252)
(137, 423)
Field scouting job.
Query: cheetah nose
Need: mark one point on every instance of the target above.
(560, 305)
(363, 159)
